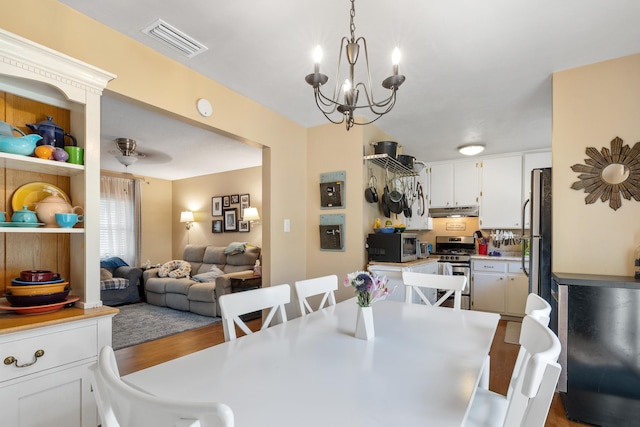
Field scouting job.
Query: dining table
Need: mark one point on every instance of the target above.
(421, 368)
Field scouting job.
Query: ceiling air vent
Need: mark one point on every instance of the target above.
(174, 38)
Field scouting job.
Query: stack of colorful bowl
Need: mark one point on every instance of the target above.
(37, 287)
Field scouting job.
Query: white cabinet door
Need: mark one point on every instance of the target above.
(465, 183)
(441, 185)
(60, 398)
(501, 193)
(532, 161)
(488, 292)
(517, 289)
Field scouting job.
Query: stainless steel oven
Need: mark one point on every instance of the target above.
(455, 258)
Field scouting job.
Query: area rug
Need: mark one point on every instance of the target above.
(142, 322)
(512, 334)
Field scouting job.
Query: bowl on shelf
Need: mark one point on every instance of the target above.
(384, 230)
(399, 229)
(18, 282)
(34, 300)
(38, 276)
(37, 289)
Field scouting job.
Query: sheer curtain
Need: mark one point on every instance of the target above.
(120, 229)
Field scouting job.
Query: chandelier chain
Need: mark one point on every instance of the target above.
(352, 26)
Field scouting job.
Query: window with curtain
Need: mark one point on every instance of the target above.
(120, 219)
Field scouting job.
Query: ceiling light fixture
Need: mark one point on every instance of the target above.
(127, 147)
(345, 96)
(471, 149)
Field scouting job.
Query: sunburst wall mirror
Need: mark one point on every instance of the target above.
(610, 173)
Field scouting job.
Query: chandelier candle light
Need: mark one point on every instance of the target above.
(345, 96)
(369, 289)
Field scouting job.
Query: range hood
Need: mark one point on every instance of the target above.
(454, 212)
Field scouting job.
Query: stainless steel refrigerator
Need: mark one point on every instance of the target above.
(539, 238)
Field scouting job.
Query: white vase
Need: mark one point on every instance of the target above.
(364, 323)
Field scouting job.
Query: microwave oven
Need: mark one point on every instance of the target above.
(392, 247)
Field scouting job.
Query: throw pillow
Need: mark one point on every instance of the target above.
(235, 248)
(113, 262)
(175, 269)
(209, 276)
(105, 274)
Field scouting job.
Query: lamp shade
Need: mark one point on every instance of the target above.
(186, 216)
(250, 214)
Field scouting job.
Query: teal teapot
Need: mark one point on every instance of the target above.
(24, 215)
(24, 145)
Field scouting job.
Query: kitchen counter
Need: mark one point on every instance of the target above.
(13, 322)
(600, 280)
(420, 261)
(501, 257)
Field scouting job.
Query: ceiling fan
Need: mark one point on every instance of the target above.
(127, 154)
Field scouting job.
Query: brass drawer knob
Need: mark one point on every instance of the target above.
(10, 360)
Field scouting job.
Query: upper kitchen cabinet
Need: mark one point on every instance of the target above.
(501, 192)
(532, 161)
(453, 184)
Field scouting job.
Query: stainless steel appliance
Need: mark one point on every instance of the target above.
(539, 239)
(392, 247)
(598, 328)
(456, 251)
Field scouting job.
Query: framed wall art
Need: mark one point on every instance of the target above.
(216, 226)
(243, 226)
(244, 202)
(216, 206)
(226, 201)
(231, 219)
(235, 199)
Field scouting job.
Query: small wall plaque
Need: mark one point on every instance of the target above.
(332, 190)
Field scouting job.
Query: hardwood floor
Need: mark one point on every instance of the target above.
(148, 354)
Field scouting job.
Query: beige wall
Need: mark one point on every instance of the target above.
(331, 149)
(174, 90)
(591, 106)
(195, 194)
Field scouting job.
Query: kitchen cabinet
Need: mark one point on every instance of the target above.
(501, 193)
(453, 184)
(489, 285)
(56, 389)
(53, 390)
(532, 161)
(393, 271)
(499, 286)
(517, 289)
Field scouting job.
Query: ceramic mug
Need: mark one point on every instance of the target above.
(3, 217)
(68, 220)
(76, 154)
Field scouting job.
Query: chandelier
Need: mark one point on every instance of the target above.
(345, 97)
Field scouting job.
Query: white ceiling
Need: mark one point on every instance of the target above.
(477, 71)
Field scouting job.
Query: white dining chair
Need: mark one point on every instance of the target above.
(527, 401)
(536, 307)
(121, 405)
(235, 305)
(413, 282)
(325, 286)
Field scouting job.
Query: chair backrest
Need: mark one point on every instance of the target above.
(121, 405)
(540, 310)
(452, 284)
(234, 305)
(529, 399)
(325, 285)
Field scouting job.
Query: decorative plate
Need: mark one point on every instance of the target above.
(33, 192)
(21, 224)
(18, 282)
(39, 309)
